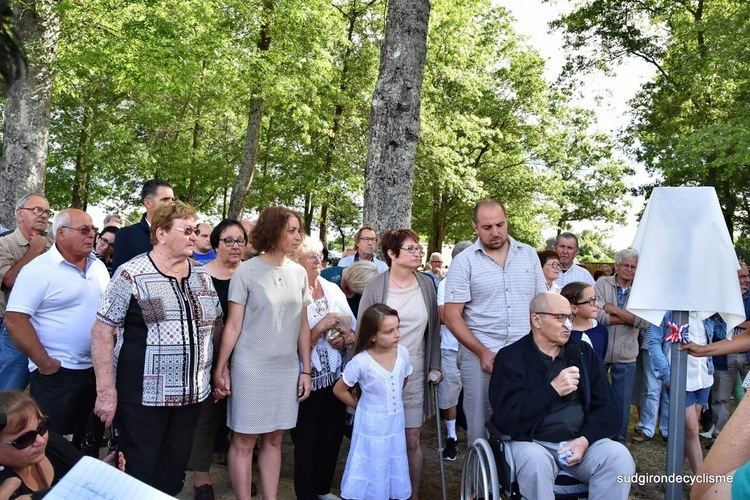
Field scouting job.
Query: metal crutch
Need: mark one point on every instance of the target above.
(433, 389)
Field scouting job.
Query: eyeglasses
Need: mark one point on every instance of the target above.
(84, 230)
(39, 211)
(368, 239)
(561, 318)
(27, 438)
(106, 242)
(627, 266)
(230, 242)
(553, 265)
(591, 302)
(436, 261)
(187, 231)
(413, 249)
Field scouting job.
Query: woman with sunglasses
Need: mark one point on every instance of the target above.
(164, 311)
(228, 241)
(413, 295)
(30, 454)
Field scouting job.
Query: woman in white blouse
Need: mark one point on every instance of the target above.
(320, 421)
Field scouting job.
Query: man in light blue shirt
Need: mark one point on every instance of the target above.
(365, 241)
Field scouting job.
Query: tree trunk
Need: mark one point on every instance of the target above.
(323, 223)
(439, 223)
(27, 109)
(247, 167)
(194, 145)
(338, 110)
(81, 176)
(309, 212)
(394, 122)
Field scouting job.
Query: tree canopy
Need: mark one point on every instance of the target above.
(167, 89)
(690, 122)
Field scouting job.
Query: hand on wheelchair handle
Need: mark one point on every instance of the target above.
(566, 381)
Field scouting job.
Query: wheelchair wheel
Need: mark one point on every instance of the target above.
(479, 475)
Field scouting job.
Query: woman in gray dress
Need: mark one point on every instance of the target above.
(268, 338)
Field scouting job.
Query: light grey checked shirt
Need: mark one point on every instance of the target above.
(496, 300)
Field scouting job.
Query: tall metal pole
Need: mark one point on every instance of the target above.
(676, 439)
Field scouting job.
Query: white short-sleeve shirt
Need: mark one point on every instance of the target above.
(61, 301)
(573, 274)
(447, 340)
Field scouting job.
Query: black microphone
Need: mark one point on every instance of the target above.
(573, 354)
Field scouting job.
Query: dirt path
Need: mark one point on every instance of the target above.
(650, 458)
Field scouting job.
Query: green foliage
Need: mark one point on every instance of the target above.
(149, 89)
(593, 247)
(493, 127)
(690, 122)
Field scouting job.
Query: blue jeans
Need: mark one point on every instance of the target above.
(664, 412)
(650, 397)
(14, 365)
(622, 377)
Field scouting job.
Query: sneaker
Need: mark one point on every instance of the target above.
(329, 496)
(709, 434)
(204, 492)
(451, 449)
(639, 437)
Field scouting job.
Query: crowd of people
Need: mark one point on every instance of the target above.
(183, 342)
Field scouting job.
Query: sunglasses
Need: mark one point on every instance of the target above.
(187, 230)
(27, 438)
(84, 230)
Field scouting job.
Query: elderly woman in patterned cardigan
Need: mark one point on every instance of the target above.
(163, 311)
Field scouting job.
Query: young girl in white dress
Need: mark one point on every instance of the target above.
(377, 467)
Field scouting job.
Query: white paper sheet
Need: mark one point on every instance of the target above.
(93, 479)
(687, 261)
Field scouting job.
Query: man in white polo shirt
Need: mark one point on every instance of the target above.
(49, 316)
(567, 248)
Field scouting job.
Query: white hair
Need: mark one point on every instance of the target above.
(360, 274)
(311, 245)
(628, 253)
(61, 219)
(23, 199)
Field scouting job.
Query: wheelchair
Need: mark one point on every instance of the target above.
(489, 472)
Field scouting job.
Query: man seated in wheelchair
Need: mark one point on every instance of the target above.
(550, 395)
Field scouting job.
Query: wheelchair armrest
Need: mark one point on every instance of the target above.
(496, 433)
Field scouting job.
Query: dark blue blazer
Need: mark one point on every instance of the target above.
(131, 241)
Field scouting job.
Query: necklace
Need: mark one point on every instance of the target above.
(406, 284)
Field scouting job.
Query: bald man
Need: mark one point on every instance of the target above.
(550, 394)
